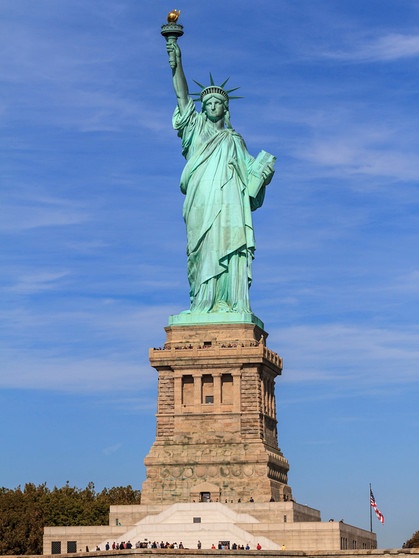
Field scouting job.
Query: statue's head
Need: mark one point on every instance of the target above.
(215, 106)
(215, 100)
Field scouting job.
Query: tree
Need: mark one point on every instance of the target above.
(24, 513)
(413, 542)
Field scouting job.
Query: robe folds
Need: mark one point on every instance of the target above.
(217, 213)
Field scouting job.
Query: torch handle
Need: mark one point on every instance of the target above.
(172, 39)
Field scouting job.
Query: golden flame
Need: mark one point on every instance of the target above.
(173, 16)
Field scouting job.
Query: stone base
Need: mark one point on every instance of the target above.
(212, 471)
(273, 525)
(216, 434)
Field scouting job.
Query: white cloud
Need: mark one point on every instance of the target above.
(353, 153)
(353, 358)
(353, 138)
(112, 449)
(100, 346)
(29, 370)
(19, 214)
(37, 282)
(388, 48)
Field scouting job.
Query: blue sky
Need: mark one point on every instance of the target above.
(93, 242)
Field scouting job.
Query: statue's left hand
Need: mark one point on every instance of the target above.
(267, 174)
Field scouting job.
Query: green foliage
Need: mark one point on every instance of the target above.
(24, 513)
(413, 542)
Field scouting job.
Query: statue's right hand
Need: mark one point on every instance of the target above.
(174, 54)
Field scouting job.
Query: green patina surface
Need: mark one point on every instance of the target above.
(222, 184)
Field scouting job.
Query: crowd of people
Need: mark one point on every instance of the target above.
(154, 544)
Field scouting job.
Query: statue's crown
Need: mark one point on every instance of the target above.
(212, 88)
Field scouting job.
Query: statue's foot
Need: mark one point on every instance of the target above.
(243, 310)
(221, 306)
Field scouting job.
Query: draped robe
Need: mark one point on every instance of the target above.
(217, 213)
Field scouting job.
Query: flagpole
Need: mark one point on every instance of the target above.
(369, 499)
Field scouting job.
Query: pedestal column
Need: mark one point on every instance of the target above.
(216, 429)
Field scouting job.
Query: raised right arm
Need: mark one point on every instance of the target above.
(179, 80)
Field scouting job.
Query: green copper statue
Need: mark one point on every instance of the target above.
(223, 184)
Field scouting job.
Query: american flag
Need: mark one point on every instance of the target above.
(379, 515)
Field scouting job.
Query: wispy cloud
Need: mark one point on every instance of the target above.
(355, 136)
(29, 370)
(112, 449)
(19, 214)
(70, 79)
(387, 48)
(37, 282)
(353, 153)
(354, 357)
(100, 347)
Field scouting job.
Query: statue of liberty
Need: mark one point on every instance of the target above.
(222, 184)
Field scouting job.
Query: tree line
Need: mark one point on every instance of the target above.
(25, 512)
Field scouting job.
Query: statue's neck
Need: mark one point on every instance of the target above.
(219, 125)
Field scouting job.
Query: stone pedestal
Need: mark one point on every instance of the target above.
(216, 436)
(216, 440)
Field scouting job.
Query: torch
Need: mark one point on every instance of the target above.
(171, 31)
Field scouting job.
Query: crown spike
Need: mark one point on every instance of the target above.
(231, 90)
(224, 82)
(211, 79)
(199, 84)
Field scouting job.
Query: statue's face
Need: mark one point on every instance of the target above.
(214, 108)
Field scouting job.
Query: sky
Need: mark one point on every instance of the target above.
(93, 242)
